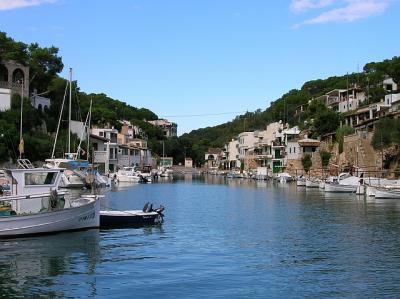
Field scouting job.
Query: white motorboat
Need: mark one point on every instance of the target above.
(35, 206)
(74, 174)
(127, 175)
(312, 183)
(284, 177)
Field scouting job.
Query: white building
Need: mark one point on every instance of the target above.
(188, 162)
(5, 99)
(292, 147)
(111, 147)
(232, 150)
(40, 102)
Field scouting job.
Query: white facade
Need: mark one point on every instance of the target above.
(389, 85)
(351, 100)
(232, 150)
(5, 99)
(40, 102)
(188, 162)
(392, 98)
(293, 150)
(247, 142)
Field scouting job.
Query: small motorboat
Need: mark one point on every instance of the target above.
(132, 218)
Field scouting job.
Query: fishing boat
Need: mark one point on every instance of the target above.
(387, 192)
(301, 181)
(284, 177)
(312, 183)
(132, 218)
(35, 206)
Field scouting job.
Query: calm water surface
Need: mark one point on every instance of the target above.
(221, 238)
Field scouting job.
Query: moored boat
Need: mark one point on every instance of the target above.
(132, 217)
(342, 188)
(284, 177)
(36, 207)
(387, 192)
(312, 183)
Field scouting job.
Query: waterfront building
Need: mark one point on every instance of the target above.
(128, 156)
(170, 129)
(232, 153)
(246, 148)
(188, 162)
(213, 158)
(111, 148)
(263, 147)
(100, 153)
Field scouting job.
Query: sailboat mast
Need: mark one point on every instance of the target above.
(69, 113)
(88, 130)
(20, 125)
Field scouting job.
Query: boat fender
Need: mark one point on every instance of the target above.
(53, 199)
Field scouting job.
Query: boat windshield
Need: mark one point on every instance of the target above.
(40, 178)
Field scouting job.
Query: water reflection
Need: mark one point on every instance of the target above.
(222, 238)
(31, 267)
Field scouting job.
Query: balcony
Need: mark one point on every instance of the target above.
(264, 156)
(100, 156)
(332, 100)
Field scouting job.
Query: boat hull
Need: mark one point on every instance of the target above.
(128, 179)
(340, 188)
(300, 183)
(74, 218)
(312, 184)
(387, 193)
(127, 218)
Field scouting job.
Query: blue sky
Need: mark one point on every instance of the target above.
(198, 57)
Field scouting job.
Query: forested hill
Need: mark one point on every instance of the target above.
(320, 120)
(45, 64)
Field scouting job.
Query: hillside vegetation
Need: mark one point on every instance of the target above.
(39, 126)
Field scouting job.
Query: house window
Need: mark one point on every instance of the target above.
(101, 134)
(294, 150)
(290, 150)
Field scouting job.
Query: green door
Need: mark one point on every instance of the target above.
(276, 166)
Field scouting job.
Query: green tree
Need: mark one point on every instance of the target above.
(340, 133)
(306, 162)
(325, 157)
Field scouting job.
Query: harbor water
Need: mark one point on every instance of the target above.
(221, 238)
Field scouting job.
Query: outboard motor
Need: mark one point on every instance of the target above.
(149, 208)
(145, 207)
(160, 211)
